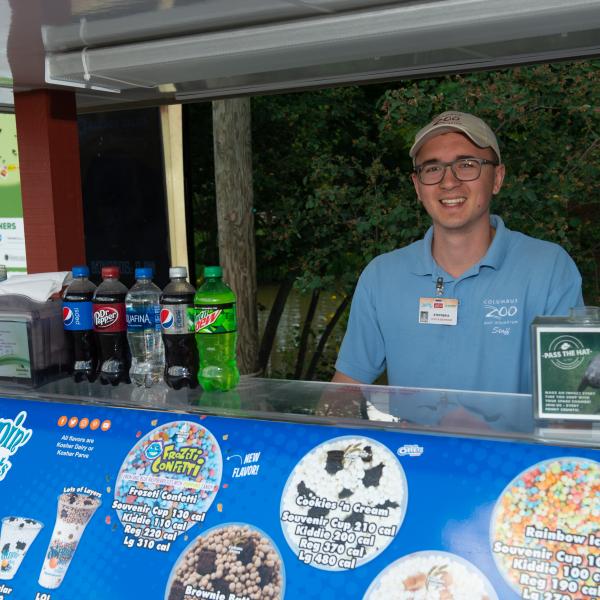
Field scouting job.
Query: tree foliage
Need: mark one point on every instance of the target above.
(548, 124)
(331, 170)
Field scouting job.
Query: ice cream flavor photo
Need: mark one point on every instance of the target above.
(343, 503)
(235, 561)
(169, 480)
(431, 575)
(545, 529)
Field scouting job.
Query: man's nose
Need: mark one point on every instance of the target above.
(449, 179)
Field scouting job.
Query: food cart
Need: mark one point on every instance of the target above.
(277, 489)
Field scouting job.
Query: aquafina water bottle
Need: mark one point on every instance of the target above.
(142, 307)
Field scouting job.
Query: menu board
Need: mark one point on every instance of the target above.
(99, 502)
(12, 230)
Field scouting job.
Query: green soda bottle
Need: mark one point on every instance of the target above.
(216, 333)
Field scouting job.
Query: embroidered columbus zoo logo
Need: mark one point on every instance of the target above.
(12, 437)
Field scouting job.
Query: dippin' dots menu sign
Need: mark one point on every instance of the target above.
(13, 435)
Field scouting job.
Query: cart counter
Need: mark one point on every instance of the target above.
(296, 490)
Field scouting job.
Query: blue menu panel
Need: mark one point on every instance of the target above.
(99, 502)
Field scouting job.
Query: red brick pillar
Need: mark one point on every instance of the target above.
(50, 179)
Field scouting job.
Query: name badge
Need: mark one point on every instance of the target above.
(438, 311)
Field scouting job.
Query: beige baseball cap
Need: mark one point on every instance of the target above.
(473, 127)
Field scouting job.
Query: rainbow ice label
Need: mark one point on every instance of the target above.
(545, 530)
(166, 484)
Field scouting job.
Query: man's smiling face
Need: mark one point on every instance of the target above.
(455, 205)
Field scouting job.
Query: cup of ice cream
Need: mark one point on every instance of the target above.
(16, 537)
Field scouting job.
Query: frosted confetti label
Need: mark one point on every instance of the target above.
(431, 575)
(166, 484)
(343, 503)
(545, 531)
(233, 561)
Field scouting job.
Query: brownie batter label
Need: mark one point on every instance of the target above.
(343, 503)
(231, 562)
(166, 484)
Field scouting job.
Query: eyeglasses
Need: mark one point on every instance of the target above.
(464, 169)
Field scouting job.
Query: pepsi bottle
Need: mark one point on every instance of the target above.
(177, 322)
(110, 328)
(78, 325)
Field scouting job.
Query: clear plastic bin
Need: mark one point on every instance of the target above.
(33, 347)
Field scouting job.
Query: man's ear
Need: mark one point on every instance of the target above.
(415, 182)
(499, 173)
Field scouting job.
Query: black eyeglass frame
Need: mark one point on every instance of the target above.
(445, 165)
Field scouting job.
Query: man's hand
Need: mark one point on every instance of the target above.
(341, 378)
(340, 401)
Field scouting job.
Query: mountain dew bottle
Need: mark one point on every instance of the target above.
(215, 326)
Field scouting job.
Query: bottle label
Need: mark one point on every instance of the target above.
(177, 319)
(218, 318)
(77, 316)
(109, 317)
(142, 318)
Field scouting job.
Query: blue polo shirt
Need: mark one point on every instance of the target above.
(489, 349)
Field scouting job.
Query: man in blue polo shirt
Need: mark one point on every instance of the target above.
(453, 310)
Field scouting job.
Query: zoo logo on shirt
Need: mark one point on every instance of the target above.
(501, 314)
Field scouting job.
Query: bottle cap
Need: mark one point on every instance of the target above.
(213, 272)
(176, 272)
(80, 271)
(110, 272)
(143, 273)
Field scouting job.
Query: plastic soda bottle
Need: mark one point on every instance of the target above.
(79, 325)
(215, 326)
(142, 306)
(177, 321)
(110, 328)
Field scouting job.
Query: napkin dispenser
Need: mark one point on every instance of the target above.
(33, 346)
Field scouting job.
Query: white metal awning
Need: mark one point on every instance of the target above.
(117, 52)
